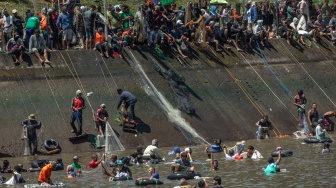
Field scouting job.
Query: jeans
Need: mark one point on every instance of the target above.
(132, 114)
(32, 141)
(77, 115)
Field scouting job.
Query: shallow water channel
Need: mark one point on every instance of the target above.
(306, 168)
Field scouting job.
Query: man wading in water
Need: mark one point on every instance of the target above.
(313, 116)
(77, 105)
(300, 101)
(31, 125)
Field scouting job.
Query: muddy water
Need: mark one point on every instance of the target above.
(306, 168)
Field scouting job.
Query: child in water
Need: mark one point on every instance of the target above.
(6, 168)
(273, 167)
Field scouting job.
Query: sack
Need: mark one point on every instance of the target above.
(11, 181)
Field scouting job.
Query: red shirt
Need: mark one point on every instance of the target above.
(78, 103)
(101, 114)
(93, 164)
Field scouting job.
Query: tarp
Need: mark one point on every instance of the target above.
(218, 2)
(165, 2)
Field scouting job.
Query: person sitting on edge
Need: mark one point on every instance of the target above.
(152, 173)
(183, 164)
(130, 101)
(328, 123)
(119, 171)
(326, 148)
(113, 162)
(273, 167)
(45, 173)
(217, 181)
(38, 46)
(152, 151)
(264, 127)
(320, 132)
(15, 48)
(75, 163)
(214, 165)
(100, 43)
(101, 119)
(94, 163)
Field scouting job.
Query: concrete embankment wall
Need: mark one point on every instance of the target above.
(216, 85)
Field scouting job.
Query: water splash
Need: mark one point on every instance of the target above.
(174, 115)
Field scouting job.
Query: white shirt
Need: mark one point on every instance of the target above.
(249, 18)
(151, 150)
(8, 21)
(229, 158)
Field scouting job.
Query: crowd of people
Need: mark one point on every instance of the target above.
(83, 27)
(119, 167)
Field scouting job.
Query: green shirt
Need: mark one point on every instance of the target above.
(126, 23)
(33, 23)
(113, 20)
(76, 166)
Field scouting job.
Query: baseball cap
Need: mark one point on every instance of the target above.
(75, 157)
(14, 11)
(119, 162)
(179, 22)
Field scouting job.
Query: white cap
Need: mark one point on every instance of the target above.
(211, 23)
(14, 11)
(78, 92)
(103, 105)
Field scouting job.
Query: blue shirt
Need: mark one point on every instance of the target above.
(64, 21)
(128, 97)
(186, 163)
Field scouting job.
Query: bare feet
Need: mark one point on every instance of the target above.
(184, 56)
(262, 43)
(240, 50)
(314, 39)
(218, 50)
(288, 41)
(107, 55)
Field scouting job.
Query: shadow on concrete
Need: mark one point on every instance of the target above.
(5, 155)
(89, 138)
(142, 126)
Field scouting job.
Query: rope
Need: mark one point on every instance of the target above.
(309, 75)
(226, 99)
(267, 85)
(270, 69)
(53, 94)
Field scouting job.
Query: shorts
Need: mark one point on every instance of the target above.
(41, 51)
(89, 33)
(67, 34)
(100, 124)
(102, 45)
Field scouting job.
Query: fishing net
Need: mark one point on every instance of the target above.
(112, 142)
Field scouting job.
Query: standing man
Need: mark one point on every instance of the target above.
(89, 17)
(126, 18)
(64, 24)
(32, 24)
(304, 9)
(130, 101)
(328, 123)
(31, 125)
(101, 118)
(77, 105)
(300, 101)
(313, 116)
(17, 22)
(8, 26)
